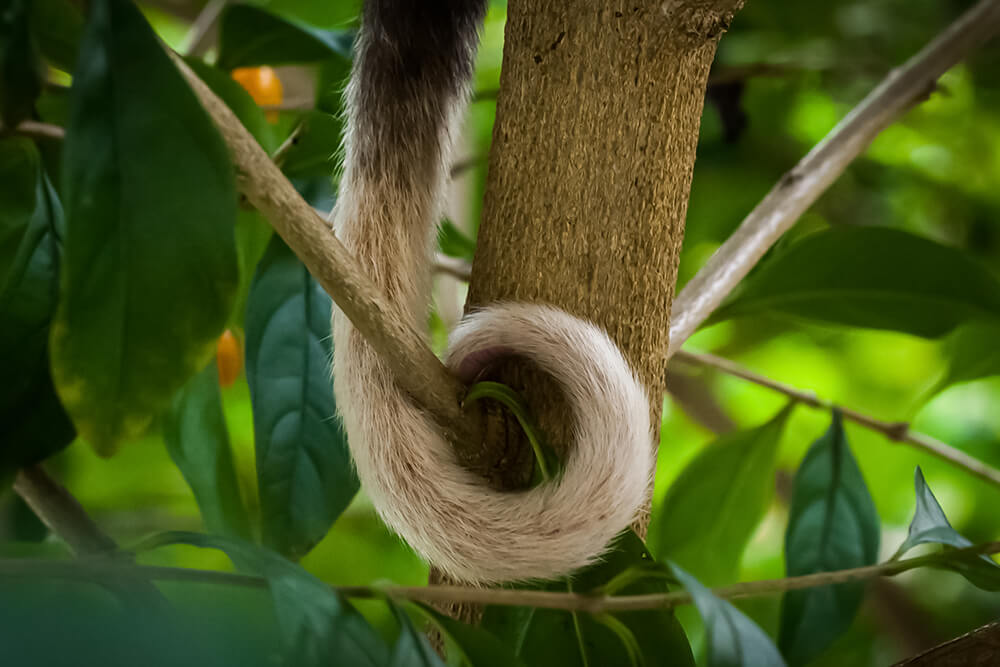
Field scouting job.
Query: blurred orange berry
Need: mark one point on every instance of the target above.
(229, 358)
(263, 85)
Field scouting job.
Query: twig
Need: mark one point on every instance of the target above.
(895, 431)
(199, 37)
(94, 569)
(404, 350)
(61, 512)
(800, 187)
(38, 130)
(453, 266)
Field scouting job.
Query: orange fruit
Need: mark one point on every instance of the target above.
(229, 358)
(263, 85)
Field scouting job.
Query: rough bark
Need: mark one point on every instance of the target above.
(589, 175)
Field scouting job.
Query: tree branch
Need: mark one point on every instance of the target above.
(417, 370)
(800, 187)
(896, 431)
(37, 130)
(94, 569)
(61, 512)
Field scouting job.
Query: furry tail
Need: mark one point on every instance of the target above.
(405, 98)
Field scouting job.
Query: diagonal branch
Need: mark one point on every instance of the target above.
(895, 431)
(417, 370)
(800, 187)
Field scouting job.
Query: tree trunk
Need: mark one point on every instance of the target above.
(593, 149)
(589, 175)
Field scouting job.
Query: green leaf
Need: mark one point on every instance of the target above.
(314, 153)
(253, 234)
(714, 505)
(733, 640)
(150, 264)
(304, 469)
(33, 424)
(973, 353)
(198, 441)
(871, 277)
(20, 66)
(544, 637)
(249, 36)
(238, 100)
(330, 84)
(931, 526)
(411, 646)
(454, 243)
(832, 525)
(470, 645)
(317, 625)
(57, 26)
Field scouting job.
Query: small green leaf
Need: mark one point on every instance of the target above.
(714, 505)
(470, 645)
(198, 442)
(21, 71)
(250, 36)
(33, 424)
(253, 234)
(832, 525)
(931, 526)
(304, 469)
(544, 637)
(454, 243)
(149, 272)
(317, 625)
(871, 277)
(57, 26)
(314, 153)
(411, 646)
(733, 640)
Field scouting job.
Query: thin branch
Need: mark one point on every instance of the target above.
(895, 431)
(404, 350)
(202, 32)
(61, 512)
(37, 130)
(100, 569)
(453, 266)
(800, 187)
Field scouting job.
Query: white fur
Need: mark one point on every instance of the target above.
(445, 512)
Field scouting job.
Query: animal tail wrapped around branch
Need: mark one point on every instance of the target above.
(405, 99)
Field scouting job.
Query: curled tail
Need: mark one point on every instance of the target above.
(405, 99)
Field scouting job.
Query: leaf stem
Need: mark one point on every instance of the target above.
(513, 402)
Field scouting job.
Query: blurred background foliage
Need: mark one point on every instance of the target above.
(785, 74)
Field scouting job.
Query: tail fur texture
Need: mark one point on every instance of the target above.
(405, 98)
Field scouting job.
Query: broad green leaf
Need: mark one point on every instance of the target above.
(54, 622)
(249, 36)
(316, 148)
(304, 470)
(871, 277)
(317, 625)
(470, 645)
(453, 242)
(57, 26)
(832, 525)
(20, 66)
(238, 100)
(543, 637)
(198, 442)
(253, 234)
(732, 639)
(714, 505)
(330, 84)
(411, 646)
(33, 424)
(150, 265)
(973, 353)
(931, 526)
(321, 14)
